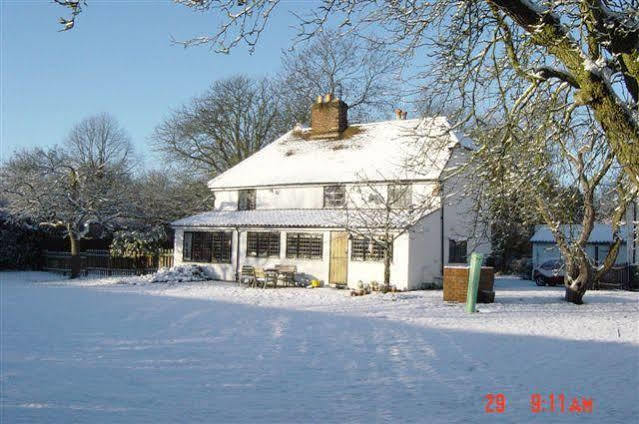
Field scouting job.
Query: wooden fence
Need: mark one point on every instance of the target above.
(101, 263)
(619, 276)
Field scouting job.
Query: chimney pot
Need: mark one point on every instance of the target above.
(398, 113)
(404, 113)
(329, 117)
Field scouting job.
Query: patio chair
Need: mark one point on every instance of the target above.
(248, 276)
(286, 274)
(260, 276)
(271, 277)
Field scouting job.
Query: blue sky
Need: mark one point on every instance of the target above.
(118, 59)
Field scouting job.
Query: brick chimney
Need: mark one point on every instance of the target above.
(329, 117)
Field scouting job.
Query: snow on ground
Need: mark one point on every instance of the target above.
(125, 350)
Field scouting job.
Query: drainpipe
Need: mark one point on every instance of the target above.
(634, 233)
(441, 219)
(237, 255)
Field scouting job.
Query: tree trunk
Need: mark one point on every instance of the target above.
(574, 296)
(75, 254)
(578, 279)
(387, 265)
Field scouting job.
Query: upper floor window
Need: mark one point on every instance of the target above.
(365, 249)
(246, 200)
(334, 196)
(400, 196)
(263, 244)
(207, 247)
(304, 245)
(456, 252)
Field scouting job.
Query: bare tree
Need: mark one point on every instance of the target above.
(485, 51)
(557, 172)
(365, 78)
(162, 196)
(98, 142)
(235, 118)
(588, 45)
(80, 189)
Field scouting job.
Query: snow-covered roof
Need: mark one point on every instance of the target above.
(601, 233)
(299, 218)
(376, 151)
(327, 218)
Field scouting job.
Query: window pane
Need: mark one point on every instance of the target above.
(358, 249)
(456, 251)
(334, 196)
(365, 249)
(246, 200)
(304, 245)
(261, 244)
(251, 244)
(291, 245)
(201, 247)
(400, 195)
(222, 247)
(186, 247)
(274, 244)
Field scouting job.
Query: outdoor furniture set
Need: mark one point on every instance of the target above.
(283, 275)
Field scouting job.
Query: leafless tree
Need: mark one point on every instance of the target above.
(98, 142)
(557, 172)
(235, 118)
(164, 195)
(489, 55)
(78, 189)
(365, 78)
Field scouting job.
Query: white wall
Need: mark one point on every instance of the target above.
(368, 271)
(307, 197)
(424, 262)
(226, 200)
(312, 196)
(459, 215)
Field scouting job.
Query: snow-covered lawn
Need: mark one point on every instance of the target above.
(125, 350)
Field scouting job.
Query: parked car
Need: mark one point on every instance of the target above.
(550, 272)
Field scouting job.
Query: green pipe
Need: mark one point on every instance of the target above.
(473, 281)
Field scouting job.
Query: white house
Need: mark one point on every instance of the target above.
(289, 203)
(545, 248)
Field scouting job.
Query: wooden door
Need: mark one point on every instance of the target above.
(338, 266)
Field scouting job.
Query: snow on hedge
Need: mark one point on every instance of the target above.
(180, 274)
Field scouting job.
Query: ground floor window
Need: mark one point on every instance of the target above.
(367, 249)
(304, 245)
(263, 244)
(457, 252)
(202, 246)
